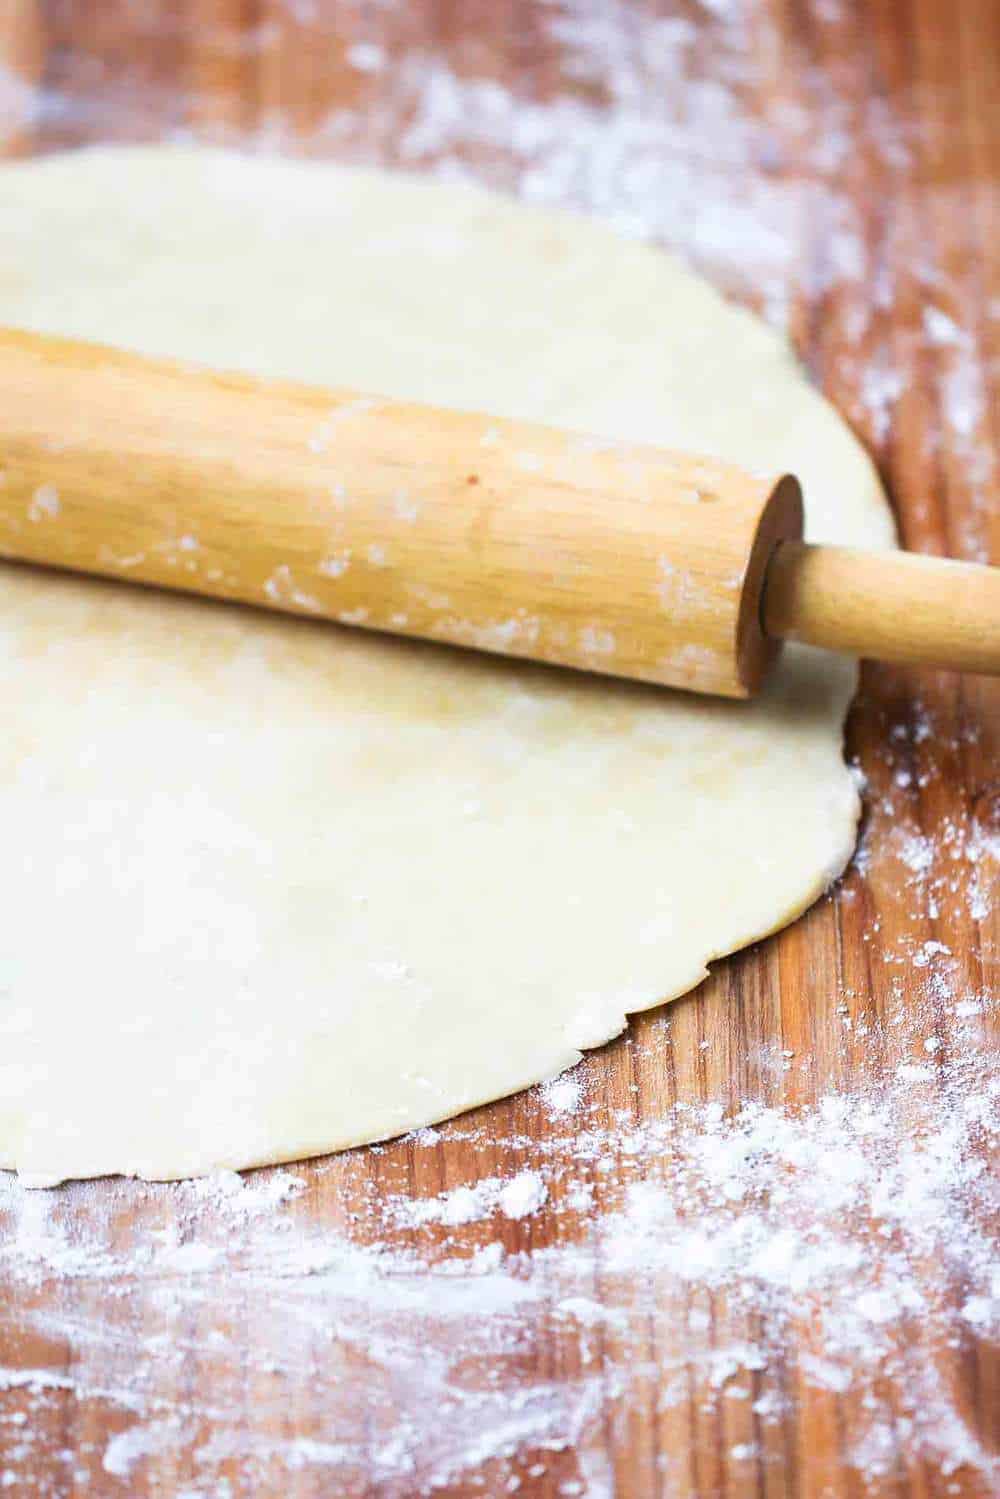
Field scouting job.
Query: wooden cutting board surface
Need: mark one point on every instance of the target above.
(792, 1303)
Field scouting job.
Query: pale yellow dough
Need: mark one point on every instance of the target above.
(271, 888)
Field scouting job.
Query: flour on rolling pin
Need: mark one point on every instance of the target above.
(627, 559)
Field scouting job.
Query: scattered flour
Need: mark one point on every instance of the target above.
(124, 1450)
(523, 1195)
(848, 1239)
(518, 1198)
(562, 1095)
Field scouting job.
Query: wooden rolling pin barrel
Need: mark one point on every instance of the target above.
(452, 526)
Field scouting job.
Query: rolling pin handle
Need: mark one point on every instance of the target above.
(892, 606)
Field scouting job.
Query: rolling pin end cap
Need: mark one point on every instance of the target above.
(781, 519)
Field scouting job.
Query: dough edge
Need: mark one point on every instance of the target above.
(563, 1057)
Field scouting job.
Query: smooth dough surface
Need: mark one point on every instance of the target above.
(272, 888)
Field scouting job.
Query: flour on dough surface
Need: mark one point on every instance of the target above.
(272, 887)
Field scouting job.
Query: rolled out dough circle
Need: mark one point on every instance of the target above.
(272, 888)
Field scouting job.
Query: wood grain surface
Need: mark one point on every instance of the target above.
(837, 164)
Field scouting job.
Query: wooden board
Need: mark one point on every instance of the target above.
(836, 164)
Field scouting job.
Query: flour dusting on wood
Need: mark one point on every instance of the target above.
(837, 1233)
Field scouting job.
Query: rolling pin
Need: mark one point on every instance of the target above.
(502, 535)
